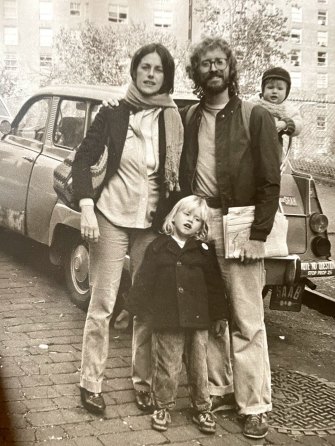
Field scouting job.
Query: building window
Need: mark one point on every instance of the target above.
(10, 9)
(296, 35)
(45, 60)
(45, 11)
(296, 58)
(46, 37)
(322, 59)
(295, 79)
(75, 8)
(10, 62)
(322, 38)
(10, 35)
(322, 80)
(321, 144)
(321, 122)
(296, 14)
(322, 18)
(118, 13)
(162, 18)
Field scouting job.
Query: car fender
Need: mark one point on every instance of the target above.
(64, 221)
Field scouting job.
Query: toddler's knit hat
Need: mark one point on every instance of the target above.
(278, 73)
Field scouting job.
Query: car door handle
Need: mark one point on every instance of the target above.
(28, 158)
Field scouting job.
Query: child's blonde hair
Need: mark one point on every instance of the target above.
(189, 203)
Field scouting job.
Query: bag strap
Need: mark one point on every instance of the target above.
(190, 113)
(246, 109)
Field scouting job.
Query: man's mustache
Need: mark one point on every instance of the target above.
(213, 74)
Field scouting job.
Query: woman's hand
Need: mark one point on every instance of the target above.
(122, 321)
(88, 224)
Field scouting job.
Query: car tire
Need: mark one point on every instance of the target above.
(77, 279)
(76, 272)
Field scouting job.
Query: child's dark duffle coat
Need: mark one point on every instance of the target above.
(179, 287)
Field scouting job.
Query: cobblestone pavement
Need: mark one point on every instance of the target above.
(40, 339)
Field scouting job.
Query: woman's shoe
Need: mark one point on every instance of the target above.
(143, 400)
(93, 402)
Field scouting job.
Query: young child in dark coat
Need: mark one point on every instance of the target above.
(179, 285)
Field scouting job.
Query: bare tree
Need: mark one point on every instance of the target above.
(256, 29)
(101, 54)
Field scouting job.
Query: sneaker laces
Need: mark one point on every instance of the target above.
(206, 417)
(256, 419)
(160, 414)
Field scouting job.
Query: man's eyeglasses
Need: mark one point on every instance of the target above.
(219, 63)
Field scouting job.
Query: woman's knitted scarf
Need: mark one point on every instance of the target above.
(277, 110)
(174, 130)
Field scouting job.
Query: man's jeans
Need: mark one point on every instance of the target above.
(106, 263)
(251, 367)
(169, 349)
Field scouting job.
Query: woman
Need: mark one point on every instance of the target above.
(144, 135)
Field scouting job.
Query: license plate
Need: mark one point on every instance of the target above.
(287, 297)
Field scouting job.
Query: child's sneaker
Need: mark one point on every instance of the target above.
(205, 421)
(160, 419)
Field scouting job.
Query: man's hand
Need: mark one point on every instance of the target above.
(89, 225)
(122, 321)
(219, 328)
(252, 250)
(111, 102)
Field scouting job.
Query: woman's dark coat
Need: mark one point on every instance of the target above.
(110, 128)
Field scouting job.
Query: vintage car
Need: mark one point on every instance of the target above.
(52, 123)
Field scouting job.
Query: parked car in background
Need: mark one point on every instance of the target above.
(52, 123)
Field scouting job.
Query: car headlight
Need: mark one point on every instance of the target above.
(321, 246)
(318, 222)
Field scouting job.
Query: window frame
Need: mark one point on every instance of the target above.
(299, 34)
(6, 9)
(320, 57)
(7, 38)
(75, 9)
(322, 21)
(165, 16)
(45, 15)
(296, 14)
(119, 10)
(45, 42)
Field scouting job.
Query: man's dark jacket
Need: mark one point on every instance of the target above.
(247, 172)
(179, 287)
(110, 128)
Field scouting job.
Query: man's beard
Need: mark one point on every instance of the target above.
(216, 88)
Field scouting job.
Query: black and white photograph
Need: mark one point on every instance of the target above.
(143, 142)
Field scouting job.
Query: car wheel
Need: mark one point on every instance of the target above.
(76, 272)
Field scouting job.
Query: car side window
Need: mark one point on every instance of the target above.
(33, 124)
(70, 123)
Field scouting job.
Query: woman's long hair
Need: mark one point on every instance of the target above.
(167, 62)
(207, 44)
